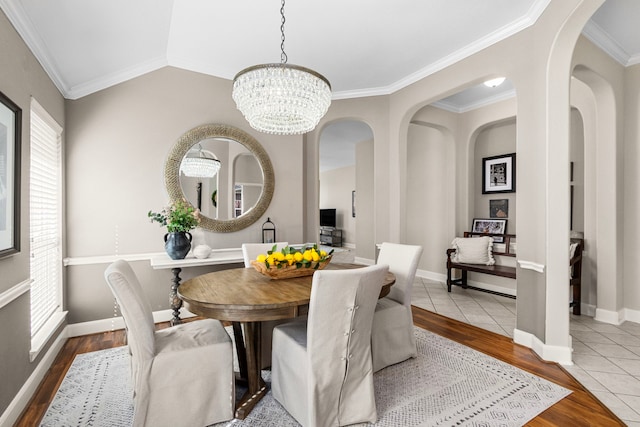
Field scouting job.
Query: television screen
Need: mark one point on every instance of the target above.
(328, 218)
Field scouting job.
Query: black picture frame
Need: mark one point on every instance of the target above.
(499, 208)
(490, 226)
(353, 203)
(499, 174)
(10, 146)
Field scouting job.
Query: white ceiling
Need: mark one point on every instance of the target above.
(363, 47)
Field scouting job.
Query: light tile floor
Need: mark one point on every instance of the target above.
(606, 357)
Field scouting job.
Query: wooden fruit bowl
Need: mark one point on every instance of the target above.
(289, 271)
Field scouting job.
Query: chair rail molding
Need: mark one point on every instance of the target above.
(530, 265)
(14, 292)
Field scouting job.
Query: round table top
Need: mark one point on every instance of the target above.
(244, 294)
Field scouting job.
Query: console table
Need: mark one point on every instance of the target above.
(217, 257)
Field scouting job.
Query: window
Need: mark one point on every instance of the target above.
(45, 199)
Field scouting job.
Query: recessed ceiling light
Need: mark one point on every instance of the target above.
(494, 82)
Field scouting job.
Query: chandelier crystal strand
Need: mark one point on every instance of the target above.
(199, 167)
(281, 99)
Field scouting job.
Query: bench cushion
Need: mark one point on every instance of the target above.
(473, 250)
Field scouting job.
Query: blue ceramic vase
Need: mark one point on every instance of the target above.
(177, 244)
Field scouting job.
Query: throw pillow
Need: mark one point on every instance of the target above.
(473, 250)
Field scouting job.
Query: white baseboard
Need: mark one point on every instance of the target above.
(20, 402)
(588, 309)
(607, 316)
(552, 353)
(632, 315)
(430, 275)
(28, 389)
(115, 323)
(439, 277)
(363, 261)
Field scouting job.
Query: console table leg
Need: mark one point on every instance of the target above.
(174, 300)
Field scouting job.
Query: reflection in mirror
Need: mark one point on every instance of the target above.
(233, 189)
(223, 171)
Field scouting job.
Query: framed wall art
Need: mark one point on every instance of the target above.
(499, 208)
(499, 174)
(10, 139)
(490, 226)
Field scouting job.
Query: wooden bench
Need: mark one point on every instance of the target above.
(575, 264)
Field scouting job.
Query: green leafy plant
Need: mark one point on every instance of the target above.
(180, 216)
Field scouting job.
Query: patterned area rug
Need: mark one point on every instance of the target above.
(448, 384)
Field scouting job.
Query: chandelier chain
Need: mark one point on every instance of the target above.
(282, 99)
(283, 55)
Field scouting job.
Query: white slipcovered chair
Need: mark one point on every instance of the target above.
(392, 339)
(249, 252)
(182, 375)
(322, 372)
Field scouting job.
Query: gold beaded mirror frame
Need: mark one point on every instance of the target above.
(192, 137)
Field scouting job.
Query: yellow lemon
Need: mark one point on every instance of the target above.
(307, 255)
(315, 256)
(323, 254)
(289, 258)
(297, 256)
(261, 258)
(271, 259)
(279, 256)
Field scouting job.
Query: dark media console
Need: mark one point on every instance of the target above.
(330, 236)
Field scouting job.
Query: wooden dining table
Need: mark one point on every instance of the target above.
(245, 297)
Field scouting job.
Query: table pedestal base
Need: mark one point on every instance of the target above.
(248, 401)
(249, 352)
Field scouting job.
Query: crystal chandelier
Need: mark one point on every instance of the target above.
(200, 165)
(282, 99)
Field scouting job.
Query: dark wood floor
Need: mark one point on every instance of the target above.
(580, 408)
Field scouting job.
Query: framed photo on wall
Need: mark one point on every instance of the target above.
(499, 174)
(490, 226)
(10, 135)
(499, 208)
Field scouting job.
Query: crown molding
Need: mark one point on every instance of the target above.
(17, 15)
(507, 31)
(604, 41)
(452, 108)
(115, 78)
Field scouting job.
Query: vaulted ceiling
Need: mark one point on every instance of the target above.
(362, 47)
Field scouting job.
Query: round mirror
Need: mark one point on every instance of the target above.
(225, 172)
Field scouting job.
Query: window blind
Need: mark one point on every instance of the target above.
(45, 217)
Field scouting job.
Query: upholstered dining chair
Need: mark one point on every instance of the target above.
(322, 372)
(182, 375)
(249, 252)
(392, 339)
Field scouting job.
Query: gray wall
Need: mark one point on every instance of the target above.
(21, 77)
(336, 186)
(427, 193)
(494, 140)
(117, 141)
(366, 199)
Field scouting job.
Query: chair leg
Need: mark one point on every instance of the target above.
(576, 299)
